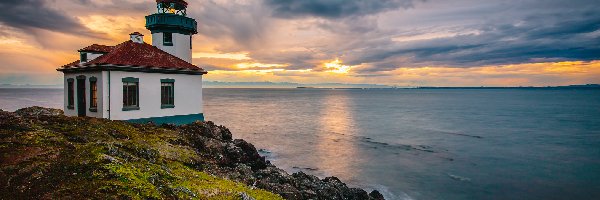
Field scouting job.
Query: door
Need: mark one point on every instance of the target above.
(81, 96)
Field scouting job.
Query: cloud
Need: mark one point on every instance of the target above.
(37, 14)
(333, 8)
(462, 33)
(557, 33)
(235, 25)
(375, 38)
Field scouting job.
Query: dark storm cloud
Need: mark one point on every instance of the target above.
(574, 35)
(37, 14)
(114, 7)
(333, 8)
(244, 24)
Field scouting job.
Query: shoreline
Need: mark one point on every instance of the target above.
(123, 153)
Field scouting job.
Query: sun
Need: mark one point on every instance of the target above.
(336, 66)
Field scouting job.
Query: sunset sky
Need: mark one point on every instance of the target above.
(393, 42)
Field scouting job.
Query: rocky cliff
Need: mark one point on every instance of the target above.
(46, 155)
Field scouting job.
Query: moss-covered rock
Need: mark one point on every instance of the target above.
(38, 111)
(46, 155)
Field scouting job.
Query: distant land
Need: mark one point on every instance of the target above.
(6, 85)
(219, 84)
(586, 86)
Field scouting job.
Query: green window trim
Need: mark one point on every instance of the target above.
(131, 80)
(167, 93)
(130, 108)
(127, 81)
(167, 39)
(93, 94)
(80, 77)
(166, 106)
(71, 94)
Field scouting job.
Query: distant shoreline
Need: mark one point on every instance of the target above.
(586, 86)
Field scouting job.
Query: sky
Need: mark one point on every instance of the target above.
(392, 42)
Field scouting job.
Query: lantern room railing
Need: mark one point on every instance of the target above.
(161, 22)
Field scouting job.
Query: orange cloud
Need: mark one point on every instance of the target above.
(336, 66)
(527, 74)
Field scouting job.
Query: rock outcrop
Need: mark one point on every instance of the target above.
(37, 111)
(47, 155)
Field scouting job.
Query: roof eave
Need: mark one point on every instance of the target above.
(132, 68)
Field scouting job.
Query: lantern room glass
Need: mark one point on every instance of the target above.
(171, 8)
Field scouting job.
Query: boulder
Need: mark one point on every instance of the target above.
(37, 111)
(11, 121)
(375, 195)
(357, 194)
(207, 129)
(249, 155)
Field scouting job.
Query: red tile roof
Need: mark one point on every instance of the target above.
(135, 55)
(97, 48)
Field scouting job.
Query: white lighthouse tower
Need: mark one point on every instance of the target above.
(171, 30)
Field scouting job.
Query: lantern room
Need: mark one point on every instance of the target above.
(171, 29)
(177, 7)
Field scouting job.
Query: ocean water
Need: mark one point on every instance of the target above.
(415, 143)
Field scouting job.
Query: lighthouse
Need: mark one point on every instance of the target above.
(138, 82)
(171, 29)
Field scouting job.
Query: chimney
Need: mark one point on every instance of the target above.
(137, 37)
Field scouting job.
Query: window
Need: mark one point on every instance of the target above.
(131, 94)
(167, 93)
(168, 39)
(70, 93)
(93, 94)
(83, 57)
(190, 41)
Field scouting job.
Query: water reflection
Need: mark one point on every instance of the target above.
(336, 147)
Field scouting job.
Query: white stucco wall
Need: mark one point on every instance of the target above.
(73, 112)
(180, 48)
(188, 95)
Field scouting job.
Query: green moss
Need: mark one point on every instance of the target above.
(134, 181)
(145, 180)
(82, 158)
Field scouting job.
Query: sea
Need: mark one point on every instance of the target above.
(414, 143)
